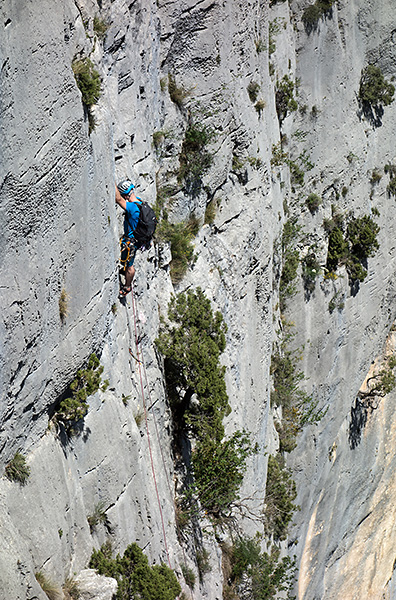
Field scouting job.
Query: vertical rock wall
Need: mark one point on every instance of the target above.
(60, 231)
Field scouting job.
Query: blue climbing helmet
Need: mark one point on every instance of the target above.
(125, 187)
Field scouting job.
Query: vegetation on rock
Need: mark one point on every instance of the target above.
(280, 492)
(17, 469)
(87, 382)
(314, 12)
(180, 236)
(353, 247)
(135, 577)
(192, 343)
(263, 575)
(194, 158)
(89, 84)
(284, 97)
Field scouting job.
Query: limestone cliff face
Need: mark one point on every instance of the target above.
(60, 232)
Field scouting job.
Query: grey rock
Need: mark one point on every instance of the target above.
(95, 587)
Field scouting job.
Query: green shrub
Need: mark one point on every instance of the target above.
(87, 382)
(219, 469)
(180, 236)
(100, 27)
(98, 516)
(313, 202)
(375, 176)
(310, 270)
(203, 563)
(194, 158)
(192, 348)
(210, 212)
(280, 491)
(17, 469)
(259, 106)
(336, 302)
(89, 84)
(374, 90)
(253, 90)
(359, 242)
(192, 344)
(284, 97)
(178, 94)
(71, 589)
(189, 576)
(314, 12)
(135, 577)
(298, 407)
(267, 574)
(337, 249)
(362, 235)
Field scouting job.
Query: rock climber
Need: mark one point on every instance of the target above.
(125, 197)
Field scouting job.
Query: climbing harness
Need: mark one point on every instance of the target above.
(127, 246)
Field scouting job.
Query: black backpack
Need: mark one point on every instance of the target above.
(146, 226)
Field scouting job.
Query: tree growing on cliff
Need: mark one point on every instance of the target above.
(375, 92)
(135, 577)
(192, 343)
(192, 346)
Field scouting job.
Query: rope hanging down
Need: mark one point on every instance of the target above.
(140, 362)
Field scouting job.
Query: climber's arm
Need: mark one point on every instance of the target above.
(119, 199)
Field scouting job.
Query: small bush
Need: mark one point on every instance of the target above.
(87, 382)
(135, 577)
(98, 516)
(158, 138)
(260, 45)
(313, 202)
(194, 158)
(284, 98)
(362, 235)
(353, 249)
(89, 84)
(189, 576)
(203, 563)
(280, 491)
(253, 89)
(180, 236)
(374, 90)
(265, 575)
(100, 27)
(17, 469)
(219, 469)
(337, 249)
(314, 12)
(210, 212)
(375, 176)
(178, 94)
(310, 270)
(88, 80)
(259, 106)
(48, 587)
(63, 305)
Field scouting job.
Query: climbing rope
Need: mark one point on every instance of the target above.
(140, 362)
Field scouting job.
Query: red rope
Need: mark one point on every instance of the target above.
(147, 428)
